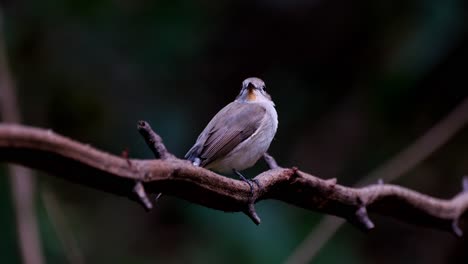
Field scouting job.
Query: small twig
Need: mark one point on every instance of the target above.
(250, 209)
(363, 218)
(154, 141)
(141, 193)
(456, 228)
(252, 214)
(270, 161)
(138, 189)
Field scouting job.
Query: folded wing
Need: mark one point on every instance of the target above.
(231, 126)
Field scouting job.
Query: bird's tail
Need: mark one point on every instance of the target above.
(193, 155)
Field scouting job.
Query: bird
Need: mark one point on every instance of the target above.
(239, 134)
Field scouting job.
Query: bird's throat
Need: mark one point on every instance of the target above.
(251, 95)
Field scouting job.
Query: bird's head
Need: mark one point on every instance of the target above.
(253, 90)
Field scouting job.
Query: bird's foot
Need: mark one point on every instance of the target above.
(250, 210)
(249, 182)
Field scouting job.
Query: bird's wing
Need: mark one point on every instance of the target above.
(231, 126)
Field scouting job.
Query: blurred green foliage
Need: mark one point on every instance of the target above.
(354, 83)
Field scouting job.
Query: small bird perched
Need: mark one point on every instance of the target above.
(239, 134)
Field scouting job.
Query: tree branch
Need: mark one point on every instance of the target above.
(405, 160)
(83, 164)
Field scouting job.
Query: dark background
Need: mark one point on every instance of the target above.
(354, 83)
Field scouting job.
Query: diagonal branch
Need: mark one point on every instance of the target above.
(22, 181)
(83, 164)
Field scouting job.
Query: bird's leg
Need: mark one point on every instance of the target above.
(249, 182)
(257, 183)
(250, 209)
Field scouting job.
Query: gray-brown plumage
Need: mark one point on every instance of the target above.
(240, 133)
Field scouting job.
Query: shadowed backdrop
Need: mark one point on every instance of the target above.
(354, 83)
